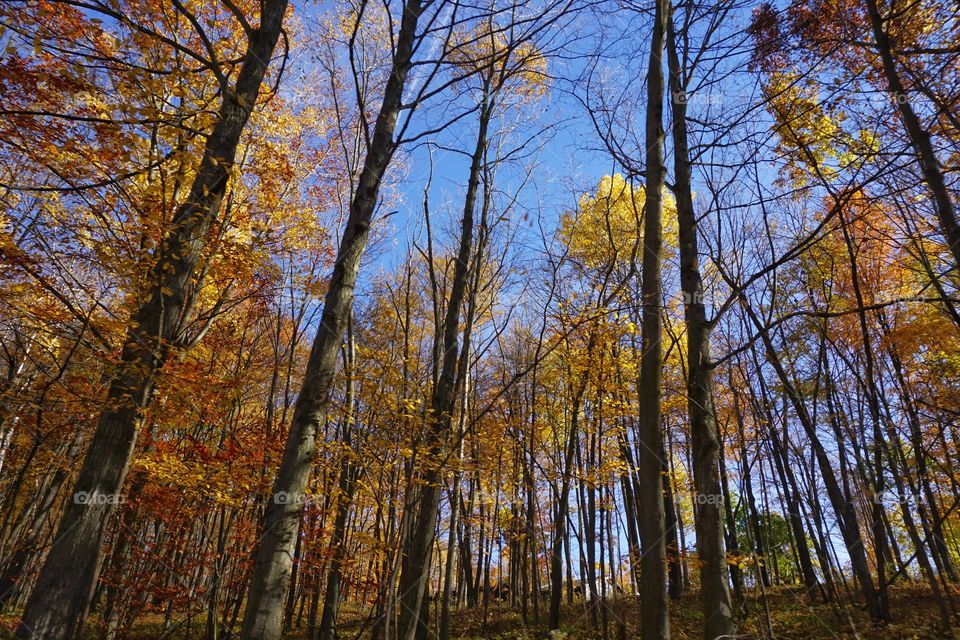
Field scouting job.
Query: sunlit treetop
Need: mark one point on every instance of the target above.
(812, 138)
(606, 229)
(515, 70)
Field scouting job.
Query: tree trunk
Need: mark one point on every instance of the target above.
(714, 578)
(654, 615)
(919, 137)
(675, 577)
(415, 560)
(843, 508)
(560, 534)
(262, 619)
(444, 632)
(881, 539)
(62, 595)
(345, 489)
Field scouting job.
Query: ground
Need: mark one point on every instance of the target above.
(791, 617)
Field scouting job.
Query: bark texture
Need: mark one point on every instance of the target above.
(654, 615)
(714, 575)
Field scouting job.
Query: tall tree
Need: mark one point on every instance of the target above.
(61, 597)
(705, 437)
(499, 60)
(263, 616)
(655, 618)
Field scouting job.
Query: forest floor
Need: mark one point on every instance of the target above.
(791, 617)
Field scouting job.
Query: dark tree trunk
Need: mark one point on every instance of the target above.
(415, 561)
(843, 507)
(674, 575)
(346, 486)
(714, 575)
(560, 534)
(919, 137)
(654, 615)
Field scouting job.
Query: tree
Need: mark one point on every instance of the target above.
(61, 598)
(705, 436)
(655, 621)
(281, 518)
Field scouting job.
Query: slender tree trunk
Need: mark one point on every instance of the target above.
(530, 488)
(262, 620)
(416, 554)
(213, 604)
(753, 518)
(938, 547)
(714, 575)
(444, 633)
(13, 567)
(675, 577)
(881, 540)
(346, 486)
(654, 615)
(791, 492)
(843, 507)
(294, 576)
(112, 613)
(730, 530)
(560, 532)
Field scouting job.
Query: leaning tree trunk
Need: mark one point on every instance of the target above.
(881, 542)
(843, 507)
(654, 615)
(262, 619)
(11, 569)
(714, 578)
(62, 595)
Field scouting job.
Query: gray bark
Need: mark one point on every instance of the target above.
(416, 557)
(349, 474)
(271, 572)
(714, 575)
